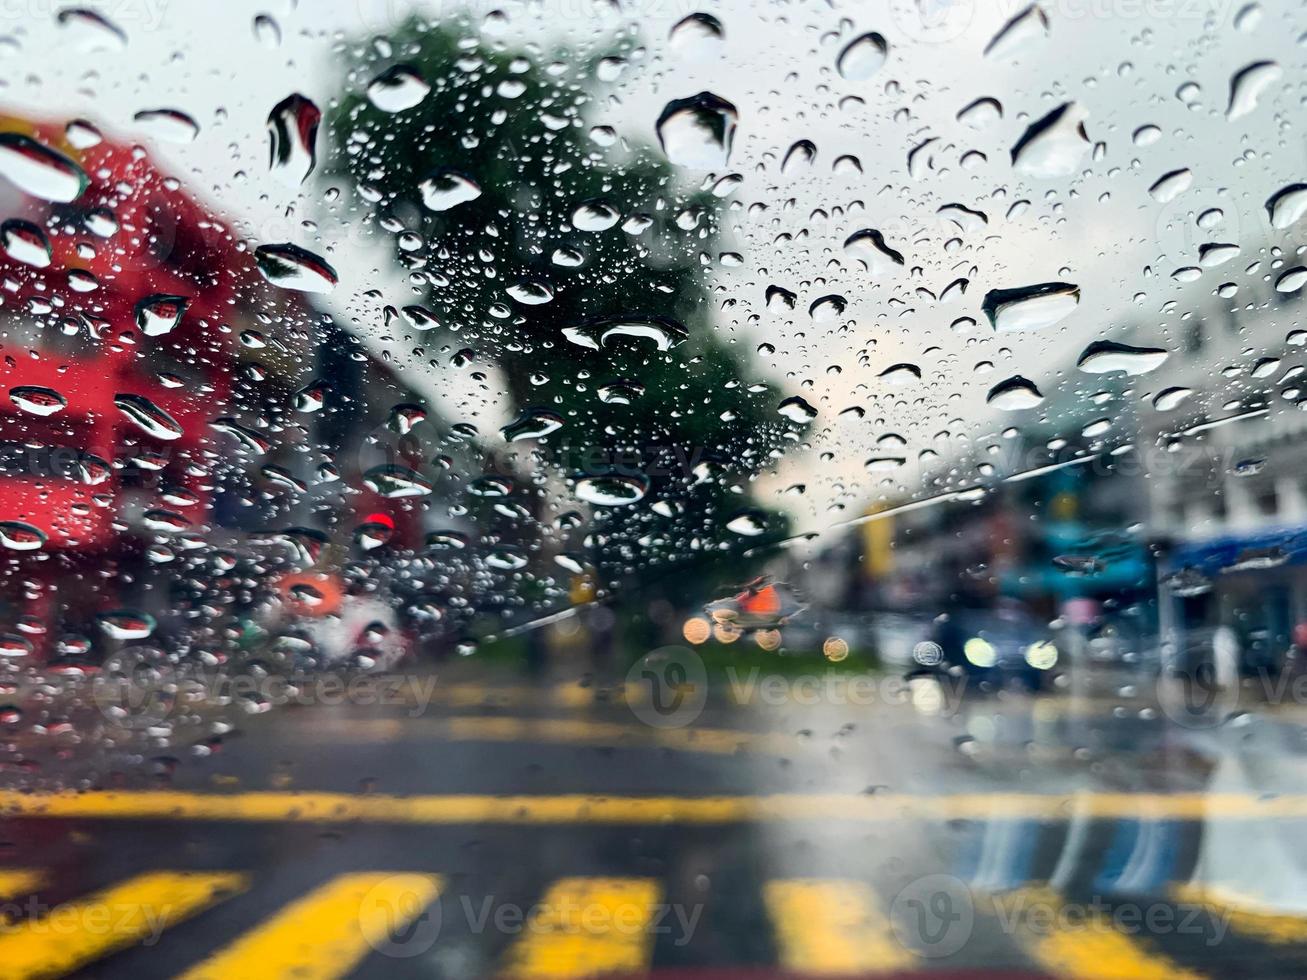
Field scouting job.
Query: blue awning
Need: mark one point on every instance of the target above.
(1265, 548)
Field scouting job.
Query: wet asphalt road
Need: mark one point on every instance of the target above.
(549, 830)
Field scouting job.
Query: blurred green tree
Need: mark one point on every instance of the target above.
(514, 129)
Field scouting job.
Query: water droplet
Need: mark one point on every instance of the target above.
(595, 216)
(420, 318)
(312, 397)
(394, 482)
(664, 332)
(25, 242)
(293, 133)
(1248, 84)
(748, 523)
(868, 247)
(698, 37)
(92, 470)
(846, 165)
(1053, 145)
(780, 299)
(697, 132)
(532, 423)
(1105, 356)
(1079, 565)
(159, 313)
(149, 416)
(826, 309)
(398, 88)
(981, 113)
(490, 487)
(797, 409)
(1292, 280)
(967, 219)
(39, 170)
(1187, 583)
(292, 267)
(620, 392)
(1287, 205)
(1014, 395)
(446, 188)
(863, 57)
(1169, 399)
(1212, 254)
(1028, 25)
(611, 490)
(404, 417)
(799, 157)
(1030, 307)
(170, 125)
(506, 559)
(900, 374)
(638, 223)
(20, 536)
(101, 222)
(92, 31)
(567, 258)
(126, 624)
(1171, 185)
(921, 158)
(267, 32)
(37, 399)
(530, 293)
(1247, 17)
(447, 540)
(82, 135)
(13, 646)
(245, 437)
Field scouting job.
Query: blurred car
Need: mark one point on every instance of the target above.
(999, 647)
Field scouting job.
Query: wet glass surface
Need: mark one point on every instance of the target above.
(578, 488)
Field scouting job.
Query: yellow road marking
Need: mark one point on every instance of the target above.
(135, 911)
(564, 731)
(587, 927)
(1089, 948)
(562, 695)
(832, 927)
(580, 808)
(326, 933)
(1245, 913)
(15, 882)
(721, 741)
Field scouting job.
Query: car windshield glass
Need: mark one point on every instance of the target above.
(810, 427)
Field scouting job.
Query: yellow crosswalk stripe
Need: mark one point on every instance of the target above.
(830, 927)
(587, 927)
(1245, 913)
(326, 933)
(1085, 945)
(137, 910)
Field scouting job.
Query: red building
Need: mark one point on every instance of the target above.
(134, 323)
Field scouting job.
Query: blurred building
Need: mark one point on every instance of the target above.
(154, 410)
